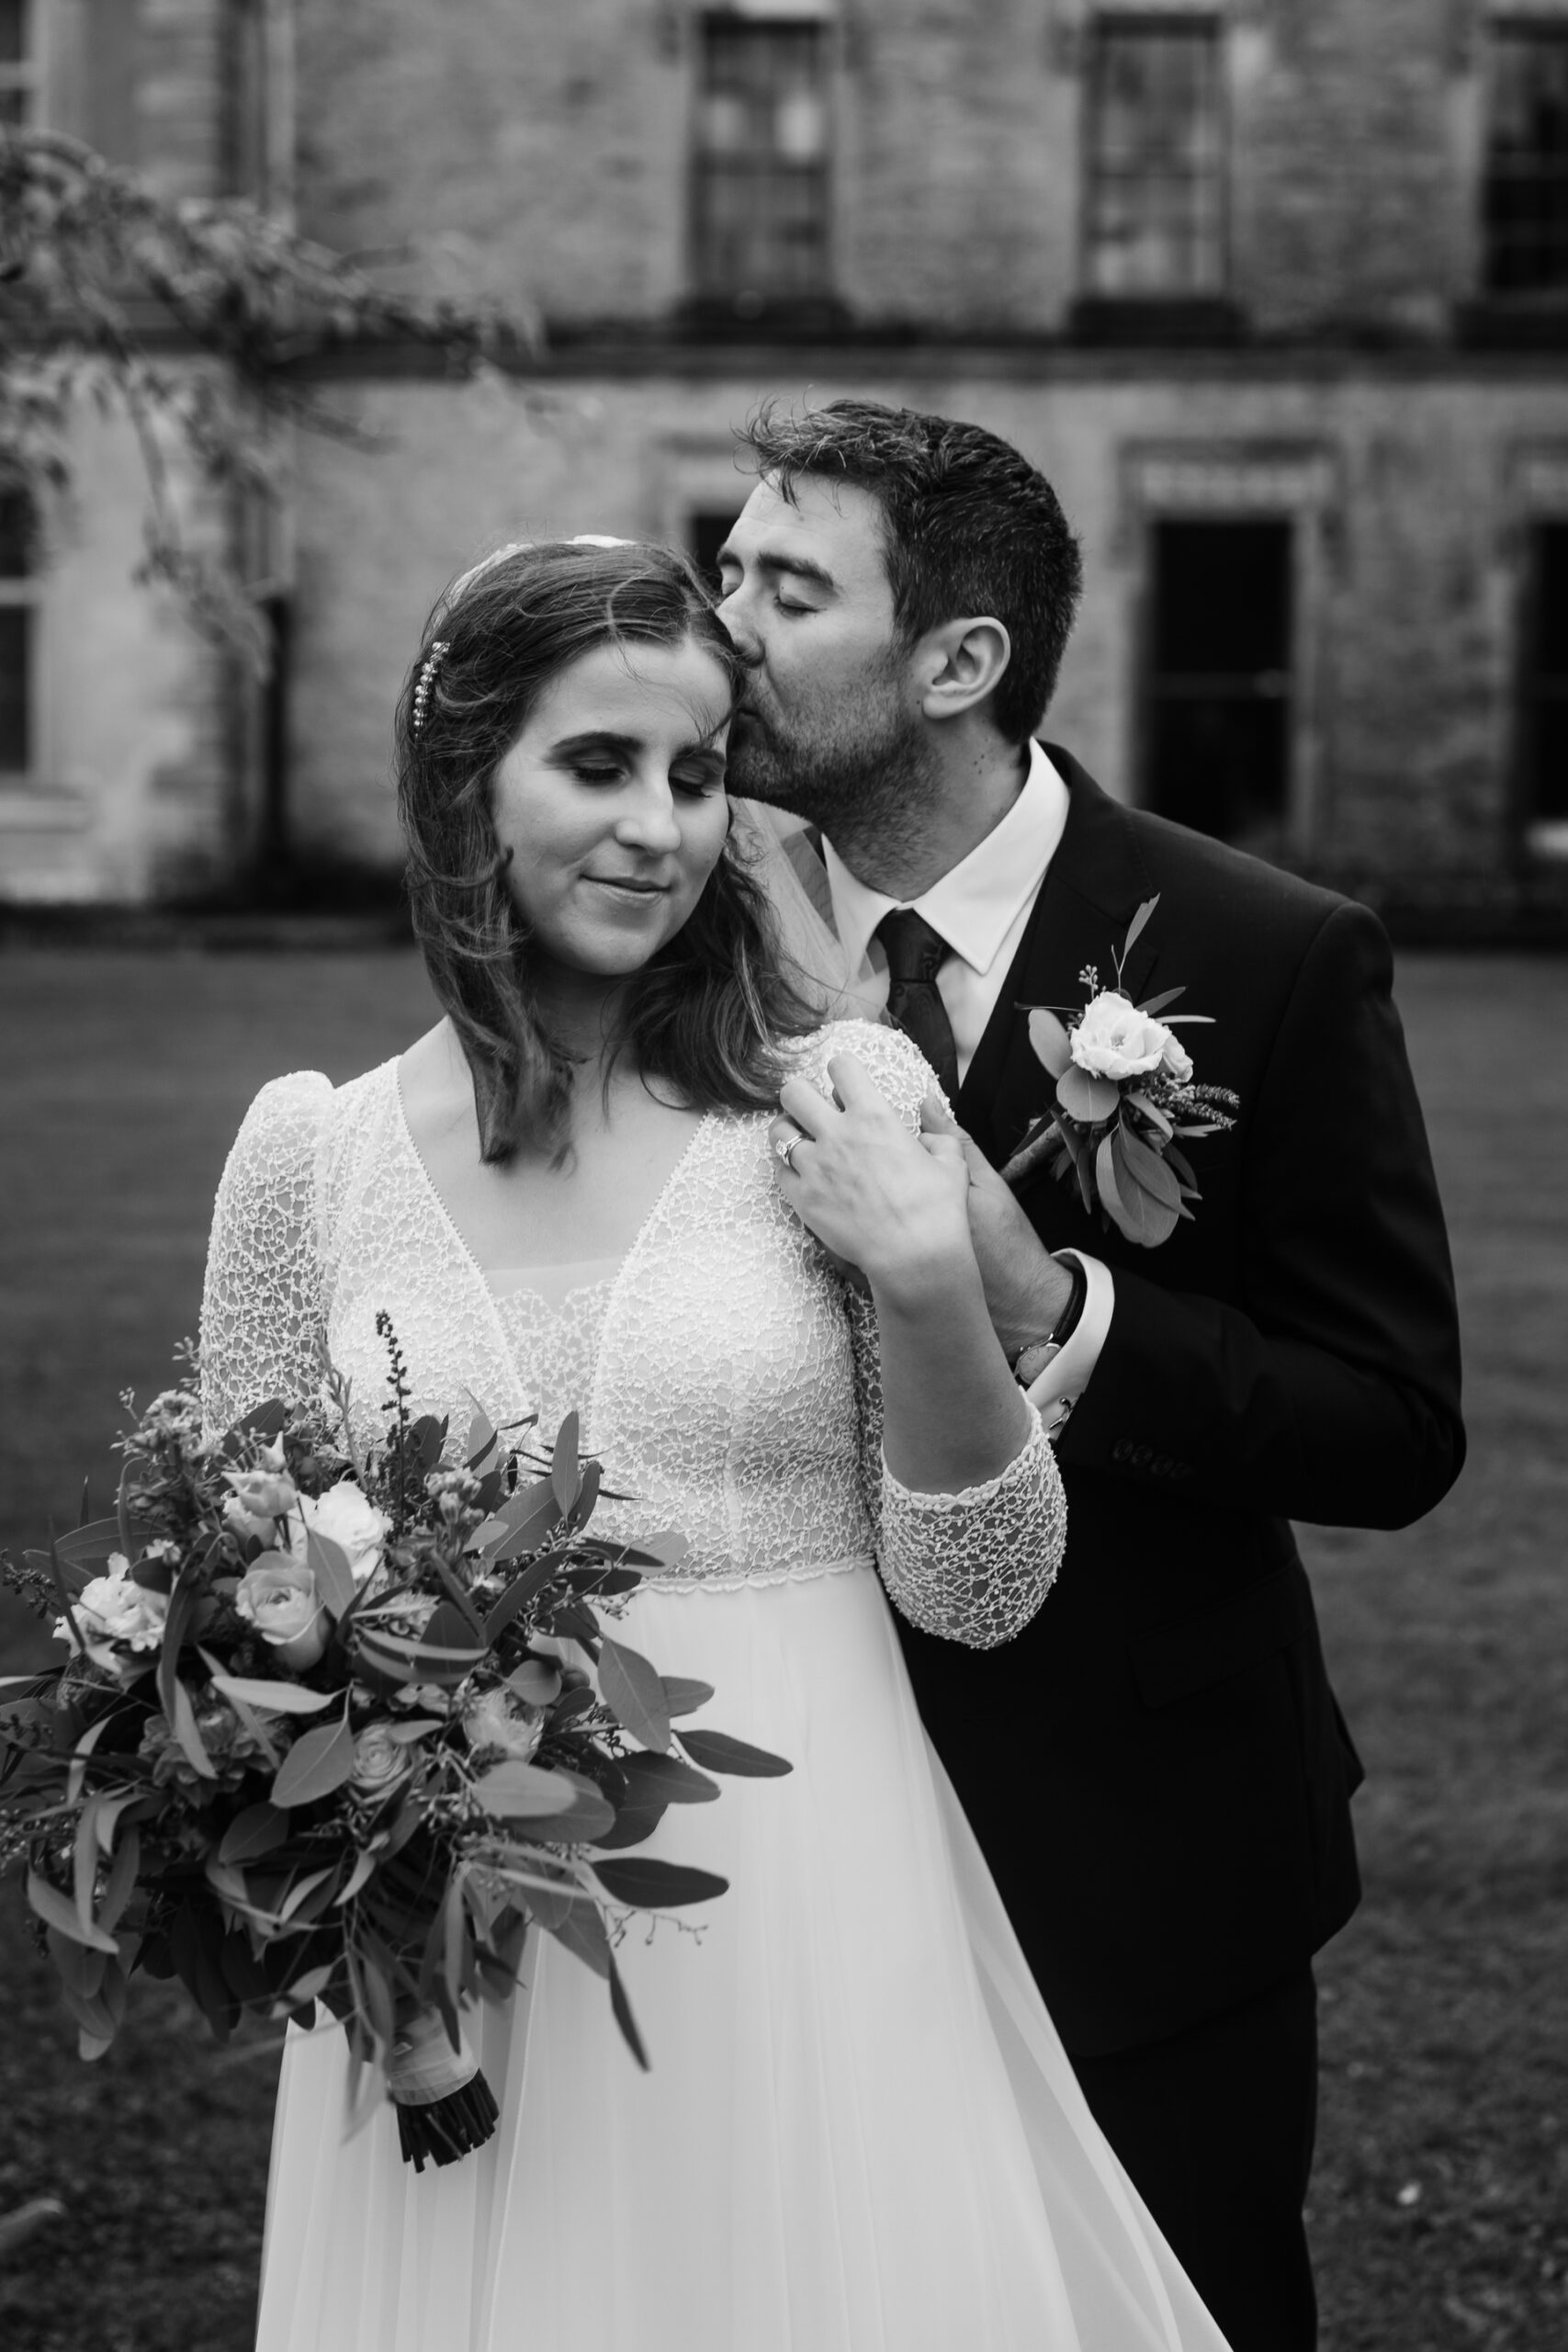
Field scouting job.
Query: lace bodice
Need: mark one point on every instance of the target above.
(724, 1375)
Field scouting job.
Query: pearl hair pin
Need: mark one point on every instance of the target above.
(430, 665)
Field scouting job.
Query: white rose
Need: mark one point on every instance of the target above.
(1115, 1040)
(112, 1609)
(379, 1761)
(1177, 1060)
(346, 1516)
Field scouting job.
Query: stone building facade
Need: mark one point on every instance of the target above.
(1277, 295)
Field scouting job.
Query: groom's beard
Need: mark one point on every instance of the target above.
(865, 778)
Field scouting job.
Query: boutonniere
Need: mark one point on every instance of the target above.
(1124, 1094)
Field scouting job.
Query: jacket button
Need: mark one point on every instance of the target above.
(1122, 1450)
(1143, 1457)
(1162, 1465)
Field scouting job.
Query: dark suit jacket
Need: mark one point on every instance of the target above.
(1156, 1768)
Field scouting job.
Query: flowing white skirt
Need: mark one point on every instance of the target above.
(860, 2134)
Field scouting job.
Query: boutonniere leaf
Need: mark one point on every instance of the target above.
(1125, 1091)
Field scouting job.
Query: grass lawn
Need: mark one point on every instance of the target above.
(1439, 2211)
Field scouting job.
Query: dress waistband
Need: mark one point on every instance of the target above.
(699, 1581)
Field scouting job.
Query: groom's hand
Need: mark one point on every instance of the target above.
(1026, 1290)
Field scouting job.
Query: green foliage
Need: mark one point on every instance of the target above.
(196, 320)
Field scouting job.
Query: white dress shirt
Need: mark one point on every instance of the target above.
(981, 908)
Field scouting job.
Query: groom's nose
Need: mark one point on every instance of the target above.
(741, 636)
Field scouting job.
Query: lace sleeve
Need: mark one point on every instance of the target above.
(262, 1319)
(972, 1566)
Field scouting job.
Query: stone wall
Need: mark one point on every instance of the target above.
(1397, 478)
(546, 148)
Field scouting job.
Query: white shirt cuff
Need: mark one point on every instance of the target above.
(1066, 1375)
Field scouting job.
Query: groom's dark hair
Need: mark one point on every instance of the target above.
(970, 527)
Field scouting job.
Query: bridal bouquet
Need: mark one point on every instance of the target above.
(1124, 1093)
(317, 1737)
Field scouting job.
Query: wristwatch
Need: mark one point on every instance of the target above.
(1035, 1354)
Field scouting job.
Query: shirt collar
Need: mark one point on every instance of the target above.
(976, 904)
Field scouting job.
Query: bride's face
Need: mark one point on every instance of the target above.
(612, 803)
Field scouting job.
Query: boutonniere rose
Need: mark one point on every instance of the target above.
(1124, 1093)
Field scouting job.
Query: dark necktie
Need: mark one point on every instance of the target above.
(915, 955)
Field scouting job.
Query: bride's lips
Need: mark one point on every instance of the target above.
(630, 888)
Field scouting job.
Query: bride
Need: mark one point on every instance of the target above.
(579, 1190)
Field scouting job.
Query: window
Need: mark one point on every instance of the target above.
(17, 627)
(1217, 737)
(706, 531)
(1543, 729)
(760, 198)
(19, 70)
(1155, 201)
(1525, 199)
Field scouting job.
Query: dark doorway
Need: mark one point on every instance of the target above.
(1543, 716)
(1218, 718)
(706, 531)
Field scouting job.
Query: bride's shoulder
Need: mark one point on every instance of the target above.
(302, 1108)
(897, 1065)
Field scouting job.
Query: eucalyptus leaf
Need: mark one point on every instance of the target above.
(1148, 1169)
(1136, 1212)
(566, 1478)
(634, 1693)
(530, 1515)
(319, 1762)
(622, 2011)
(303, 1887)
(652, 1778)
(682, 1696)
(649, 1884)
(272, 1698)
(56, 1911)
(1053, 1047)
(1134, 929)
(188, 1736)
(721, 1753)
(260, 1829)
(517, 1791)
(335, 1577)
(581, 1930)
(537, 1681)
(481, 1438)
(1086, 1098)
(89, 1546)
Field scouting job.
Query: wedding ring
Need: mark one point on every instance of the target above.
(784, 1145)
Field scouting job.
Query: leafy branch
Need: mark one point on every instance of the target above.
(196, 320)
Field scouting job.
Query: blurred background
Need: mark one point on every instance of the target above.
(306, 304)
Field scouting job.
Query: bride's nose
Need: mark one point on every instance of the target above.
(650, 823)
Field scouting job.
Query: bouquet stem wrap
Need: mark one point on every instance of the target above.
(445, 2107)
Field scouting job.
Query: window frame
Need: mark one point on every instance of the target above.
(1518, 28)
(705, 289)
(24, 591)
(1541, 841)
(1200, 25)
(24, 78)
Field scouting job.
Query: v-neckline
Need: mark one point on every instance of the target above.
(464, 1249)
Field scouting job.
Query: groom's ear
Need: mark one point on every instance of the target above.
(959, 664)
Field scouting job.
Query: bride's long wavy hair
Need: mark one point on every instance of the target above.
(704, 1016)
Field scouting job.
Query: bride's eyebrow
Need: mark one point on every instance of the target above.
(596, 739)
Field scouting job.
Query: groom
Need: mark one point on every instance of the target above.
(1156, 1768)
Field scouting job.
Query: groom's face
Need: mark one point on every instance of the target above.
(829, 723)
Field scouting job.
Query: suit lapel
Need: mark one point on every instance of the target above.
(1096, 882)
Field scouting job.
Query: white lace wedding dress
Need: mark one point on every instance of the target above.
(860, 2132)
